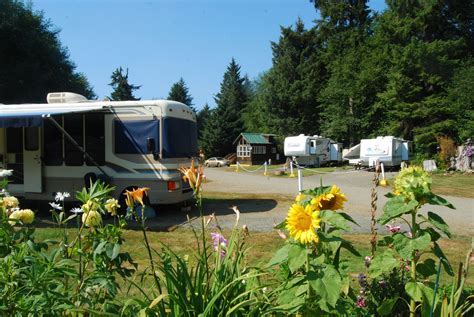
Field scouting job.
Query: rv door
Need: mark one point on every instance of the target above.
(33, 171)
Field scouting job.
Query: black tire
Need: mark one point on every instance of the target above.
(218, 164)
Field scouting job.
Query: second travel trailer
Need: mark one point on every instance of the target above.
(313, 150)
(389, 150)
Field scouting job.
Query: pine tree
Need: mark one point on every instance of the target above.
(179, 92)
(225, 122)
(123, 90)
(202, 118)
(286, 100)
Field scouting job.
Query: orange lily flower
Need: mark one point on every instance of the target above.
(193, 176)
(136, 195)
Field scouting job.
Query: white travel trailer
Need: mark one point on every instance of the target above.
(313, 150)
(389, 150)
(62, 145)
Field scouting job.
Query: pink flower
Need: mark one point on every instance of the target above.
(360, 301)
(393, 229)
(407, 268)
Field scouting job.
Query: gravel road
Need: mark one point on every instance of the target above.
(261, 214)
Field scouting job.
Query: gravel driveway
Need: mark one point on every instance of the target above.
(261, 214)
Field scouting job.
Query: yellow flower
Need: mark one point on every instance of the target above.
(136, 195)
(111, 205)
(91, 218)
(300, 197)
(413, 183)
(10, 202)
(90, 205)
(26, 216)
(302, 223)
(334, 200)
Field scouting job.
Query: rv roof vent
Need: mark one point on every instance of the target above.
(63, 97)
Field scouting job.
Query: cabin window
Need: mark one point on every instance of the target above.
(131, 136)
(274, 150)
(259, 149)
(32, 139)
(179, 138)
(74, 126)
(95, 138)
(53, 143)
(244, 150)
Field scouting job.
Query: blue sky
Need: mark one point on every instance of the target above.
(161, 41)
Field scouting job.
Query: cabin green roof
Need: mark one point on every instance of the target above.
(254, 138)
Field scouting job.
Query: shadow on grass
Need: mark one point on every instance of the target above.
(169, 217)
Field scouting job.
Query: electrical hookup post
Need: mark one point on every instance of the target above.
(300, 173)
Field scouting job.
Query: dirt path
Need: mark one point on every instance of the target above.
(261, 214)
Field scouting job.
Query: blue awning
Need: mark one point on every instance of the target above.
(20, 121)
(32, 115)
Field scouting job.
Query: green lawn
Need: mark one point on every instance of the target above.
(262, 246)
(461, 185)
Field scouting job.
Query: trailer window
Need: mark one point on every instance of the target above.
(95, 138)
(73, 124)
(179, 138)
(53, 143)
(131, 136)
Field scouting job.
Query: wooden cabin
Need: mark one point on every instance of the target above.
(256, 148)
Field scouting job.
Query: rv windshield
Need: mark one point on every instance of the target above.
(179, 138)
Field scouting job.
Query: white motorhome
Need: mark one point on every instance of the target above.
(61, 145)
(313, 150)
(389, 150)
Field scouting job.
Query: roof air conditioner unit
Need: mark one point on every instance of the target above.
(65, 97)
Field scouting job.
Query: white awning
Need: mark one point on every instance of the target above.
(31, 115)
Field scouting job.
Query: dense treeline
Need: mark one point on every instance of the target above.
(407, 71)
(355, 73)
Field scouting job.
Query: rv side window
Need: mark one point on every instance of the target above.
(131, 136)
(73, 124)
(95, 139)
(31, 139)
(53, 143)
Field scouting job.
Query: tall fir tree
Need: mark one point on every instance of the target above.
(285, 101)
(202, 118)
(225, 122)
(348, 93)
(421, 59)
(123, 90)
(33, 60)
(180, 92)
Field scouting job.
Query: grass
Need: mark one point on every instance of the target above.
(461, 185)
(262, 246)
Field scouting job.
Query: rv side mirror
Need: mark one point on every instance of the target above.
(150, 145)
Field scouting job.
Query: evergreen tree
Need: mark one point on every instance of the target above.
(421, 61)
(348, 92)
(32, 60)
(123, 90)
(179, 92)
(202, 119)
(225, 122)
(286, 98)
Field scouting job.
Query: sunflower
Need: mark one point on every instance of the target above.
(302, 223)
(333, 200)
(413, 183)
